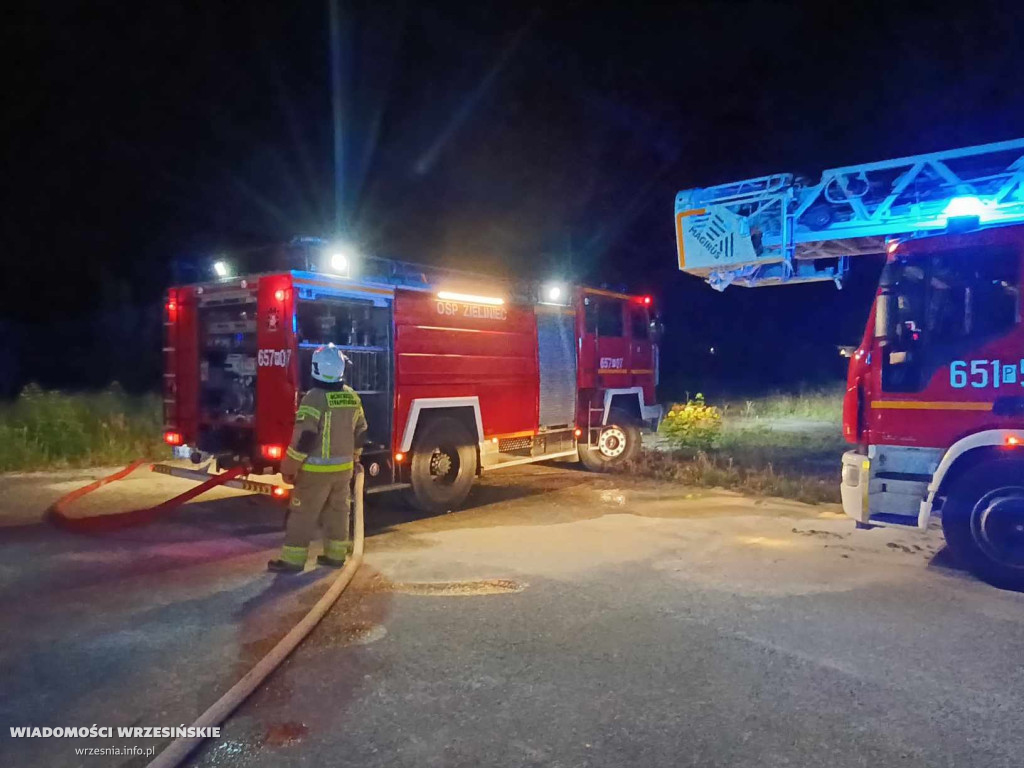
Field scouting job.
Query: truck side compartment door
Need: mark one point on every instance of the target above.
(556, 358)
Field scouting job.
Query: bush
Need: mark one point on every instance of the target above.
(693, 424)
(42, 430)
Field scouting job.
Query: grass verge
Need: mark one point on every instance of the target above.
(47, 430)
(795, 465)
(824, 404)
(713, 471)
(706, 471)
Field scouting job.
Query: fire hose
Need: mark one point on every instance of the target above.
(180, 748)
(59, 516)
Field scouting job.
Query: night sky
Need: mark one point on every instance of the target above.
(527, 139)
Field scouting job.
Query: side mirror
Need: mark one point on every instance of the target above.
(657, 330)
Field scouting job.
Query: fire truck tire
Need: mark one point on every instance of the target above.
(983, 521)
(618, 442)
(442, 466)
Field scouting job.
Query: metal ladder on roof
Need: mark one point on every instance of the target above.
(779, 228)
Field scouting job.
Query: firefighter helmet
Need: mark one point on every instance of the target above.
(328, 364)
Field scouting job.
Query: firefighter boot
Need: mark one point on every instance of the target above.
(334, 554)
(330, 562)
(292, 560)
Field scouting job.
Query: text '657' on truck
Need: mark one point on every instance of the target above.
(458, 374)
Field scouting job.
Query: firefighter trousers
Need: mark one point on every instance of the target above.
(321, 499)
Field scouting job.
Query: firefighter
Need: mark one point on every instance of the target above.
(326, 442)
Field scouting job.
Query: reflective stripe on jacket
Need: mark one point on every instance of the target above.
(328, 435)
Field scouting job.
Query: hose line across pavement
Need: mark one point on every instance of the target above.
(179, 749)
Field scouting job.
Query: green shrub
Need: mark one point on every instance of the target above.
(693, 424)
(46, 429)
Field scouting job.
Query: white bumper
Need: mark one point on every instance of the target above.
(854, 485)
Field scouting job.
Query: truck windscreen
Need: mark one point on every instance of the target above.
(937, 306)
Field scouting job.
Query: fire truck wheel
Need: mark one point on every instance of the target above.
(442, 467)
(983, 521)
(617, 443)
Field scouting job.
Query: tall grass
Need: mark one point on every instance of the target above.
(801, 465)
(825, 404)
(714, 470)
(44, 430)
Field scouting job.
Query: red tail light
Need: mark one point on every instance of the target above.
(647, 300)
(173, 438)
(272, 452)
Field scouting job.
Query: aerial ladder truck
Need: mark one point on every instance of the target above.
(934, 401)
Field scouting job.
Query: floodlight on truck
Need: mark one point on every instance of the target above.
(341, 261)
(554, 293)
(469, 298)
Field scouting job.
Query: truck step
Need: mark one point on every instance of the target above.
(514, 461)
(888, 518)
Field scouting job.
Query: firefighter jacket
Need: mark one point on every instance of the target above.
(329, 430)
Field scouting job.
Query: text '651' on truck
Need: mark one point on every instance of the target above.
(458, 375)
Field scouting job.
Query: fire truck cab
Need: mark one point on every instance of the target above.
(935, 398)
(458, 375)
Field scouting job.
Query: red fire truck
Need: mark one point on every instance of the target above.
(458, 374)
(935, 399)
(935, 392)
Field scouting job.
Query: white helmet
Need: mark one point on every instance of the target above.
(328, 364)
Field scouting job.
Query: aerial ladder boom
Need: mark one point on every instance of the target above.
(785, 229)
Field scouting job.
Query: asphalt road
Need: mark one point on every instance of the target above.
(563, 620)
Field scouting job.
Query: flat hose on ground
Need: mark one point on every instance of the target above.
(179, 749)
(59, 516)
